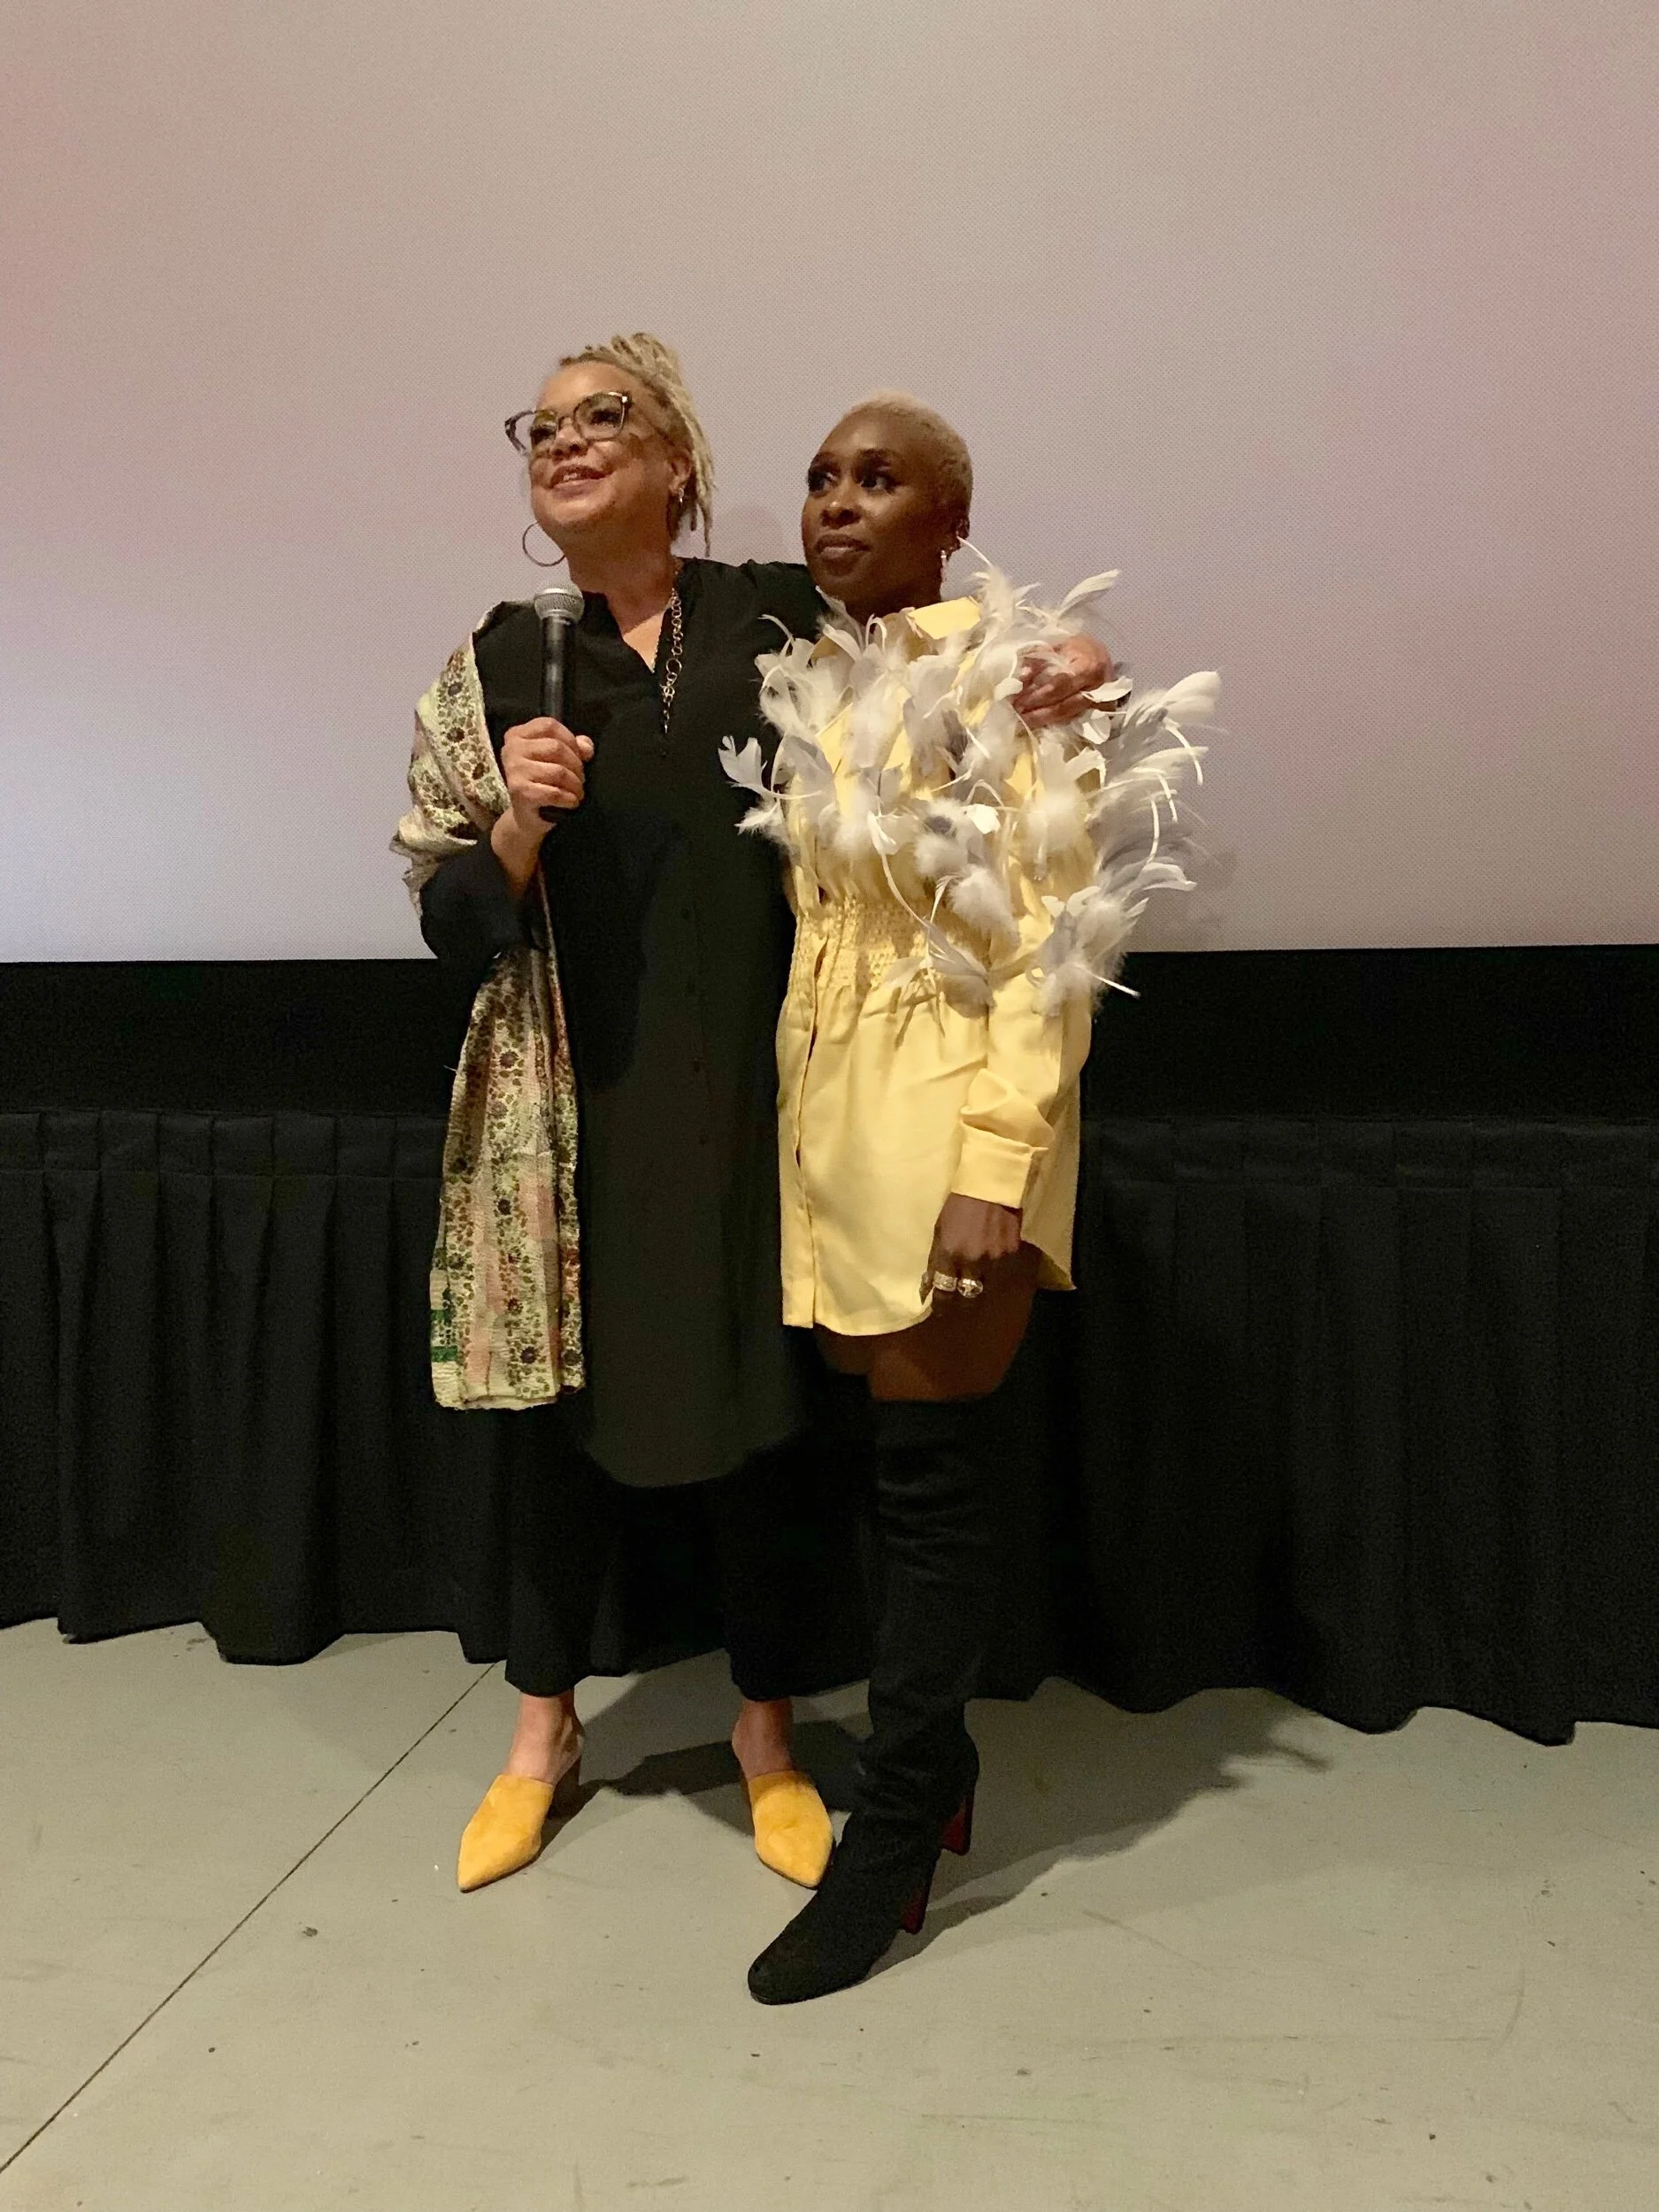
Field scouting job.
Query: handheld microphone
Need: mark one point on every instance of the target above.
(558, 606)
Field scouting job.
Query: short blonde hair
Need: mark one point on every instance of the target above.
(657, 366)
(946, 446)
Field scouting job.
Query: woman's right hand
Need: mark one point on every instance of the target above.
(544, 764)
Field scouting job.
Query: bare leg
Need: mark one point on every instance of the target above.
(961, 1350)
(546, 1739)
(762, 1738)
(507, 1831)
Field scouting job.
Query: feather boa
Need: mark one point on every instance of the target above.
(985, 810)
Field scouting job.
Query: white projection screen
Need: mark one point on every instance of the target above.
(1331, 323)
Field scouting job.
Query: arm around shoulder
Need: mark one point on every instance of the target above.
(787, 593)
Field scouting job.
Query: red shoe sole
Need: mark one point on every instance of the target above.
(958, 1834)
(957, 1837)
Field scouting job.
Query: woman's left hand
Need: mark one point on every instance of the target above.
(1053, 685)
(973, 1238)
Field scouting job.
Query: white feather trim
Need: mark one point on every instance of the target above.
(939, 858)
(979, 898)
(747, 769)
(1084, 594)
(1195, 699)
(1100, 797)
(1050, 820)
(766, 820)
(965, 979)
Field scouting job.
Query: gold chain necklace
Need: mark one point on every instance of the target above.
(676, 659)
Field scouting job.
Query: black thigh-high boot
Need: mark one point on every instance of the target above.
(936, 1521)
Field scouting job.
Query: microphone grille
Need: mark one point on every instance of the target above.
(559, 603)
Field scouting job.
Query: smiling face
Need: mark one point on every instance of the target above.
(879, 523)
(610, 495)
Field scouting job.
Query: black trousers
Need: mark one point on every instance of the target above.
(761, 1552)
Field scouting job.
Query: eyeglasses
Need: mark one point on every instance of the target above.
(598, 419)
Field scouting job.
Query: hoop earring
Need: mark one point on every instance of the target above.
(529, 555)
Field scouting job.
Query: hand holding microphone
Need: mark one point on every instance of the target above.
(560, 608)
(544, 763)
(545, 768)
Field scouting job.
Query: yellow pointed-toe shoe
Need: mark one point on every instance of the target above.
(506, 1830)
(793, 1834)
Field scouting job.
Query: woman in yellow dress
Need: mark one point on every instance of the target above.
(964, 885)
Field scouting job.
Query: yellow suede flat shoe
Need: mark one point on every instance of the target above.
(505, 1833)
(793, 1834)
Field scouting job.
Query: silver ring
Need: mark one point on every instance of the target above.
(969, 1286)
(948, 1284)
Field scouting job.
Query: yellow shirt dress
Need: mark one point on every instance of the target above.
(962, 887)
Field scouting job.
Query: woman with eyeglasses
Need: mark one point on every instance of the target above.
(962, 886)
(610, 1225)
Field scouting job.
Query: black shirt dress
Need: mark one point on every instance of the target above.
(673, 939)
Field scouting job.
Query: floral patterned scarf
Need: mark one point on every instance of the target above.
(506, 1280)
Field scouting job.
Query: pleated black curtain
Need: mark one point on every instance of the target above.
(1367, 1411)
(1370, 1412)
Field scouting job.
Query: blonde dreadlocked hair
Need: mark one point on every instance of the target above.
(657, 366)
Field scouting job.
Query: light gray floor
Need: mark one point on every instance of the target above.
(1228, 1959)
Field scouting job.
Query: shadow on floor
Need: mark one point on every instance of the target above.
(828, 1752)
(1065, 1775)
(1069, 1777)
